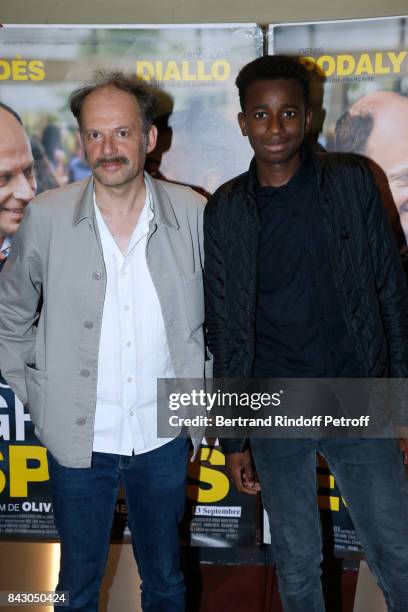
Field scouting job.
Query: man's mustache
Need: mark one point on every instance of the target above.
(111, 160)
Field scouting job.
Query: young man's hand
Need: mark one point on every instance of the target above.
(240, 469)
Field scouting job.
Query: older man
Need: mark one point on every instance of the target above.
(119, 259)
(17, 183)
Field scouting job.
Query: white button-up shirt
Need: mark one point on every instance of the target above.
(133, 349)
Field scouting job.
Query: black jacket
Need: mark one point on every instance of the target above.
(366, 267)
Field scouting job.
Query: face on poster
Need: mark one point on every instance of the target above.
(193, 71)
(359, 94)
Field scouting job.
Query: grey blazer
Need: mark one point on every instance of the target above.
(57, 252)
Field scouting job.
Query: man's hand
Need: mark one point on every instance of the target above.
(241, 471)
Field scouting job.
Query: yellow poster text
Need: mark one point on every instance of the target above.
(213, 485)
(26, 464)
(346, 65)
(20, 69)
(199, 70)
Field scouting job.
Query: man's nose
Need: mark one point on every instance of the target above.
(274, 124)
(108, 147)
(25, 188)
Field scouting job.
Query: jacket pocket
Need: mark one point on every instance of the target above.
(194, 297)
(36, 383)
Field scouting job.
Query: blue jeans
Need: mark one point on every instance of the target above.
(84, 500)
(374, 484)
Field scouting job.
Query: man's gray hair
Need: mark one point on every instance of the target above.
(353, 131)
(129, 83)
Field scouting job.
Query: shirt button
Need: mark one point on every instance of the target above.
(128, 343)
(127, 307)
(81, 421)
(85, 373)
(88, 324)
(96, 275)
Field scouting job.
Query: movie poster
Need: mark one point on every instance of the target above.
(360, 101)
(25, 500)
(192, 69)
(359, 96)
(225, 524)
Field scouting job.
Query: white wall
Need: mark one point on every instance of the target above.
(193, 11)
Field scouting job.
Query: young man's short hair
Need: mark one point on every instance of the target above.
(272, 67)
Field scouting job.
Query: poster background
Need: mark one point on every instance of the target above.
(352, 62)
(195, 67)
(25, 499)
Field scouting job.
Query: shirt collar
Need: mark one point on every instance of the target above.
(147, 213)
(160, 202)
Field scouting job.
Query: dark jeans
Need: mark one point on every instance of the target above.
(374, 484)
(84, 501)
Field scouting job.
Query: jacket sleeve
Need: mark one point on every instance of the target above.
(20, 291)
(392, 294)
(390, 281)
(216, 316)
(216, 320)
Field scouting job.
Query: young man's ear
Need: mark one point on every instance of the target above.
(242, 123)
(308, 119)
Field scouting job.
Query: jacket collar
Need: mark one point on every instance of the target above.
(252, 182)
(84, 206)
(162, 207)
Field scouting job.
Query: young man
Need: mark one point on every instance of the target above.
(303, 280)
(117, 259)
